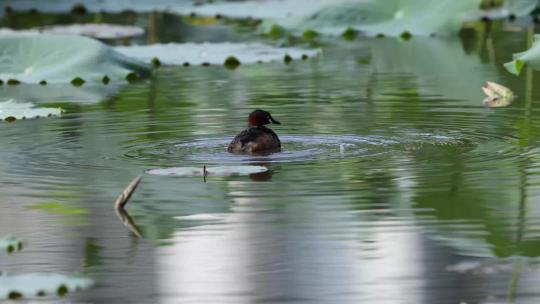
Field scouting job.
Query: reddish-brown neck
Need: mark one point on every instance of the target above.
(257, 120)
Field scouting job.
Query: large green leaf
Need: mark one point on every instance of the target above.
(530, 57)
(388, 17)
(392, 17)
(60, 59)
(34, 285)
(213, 53)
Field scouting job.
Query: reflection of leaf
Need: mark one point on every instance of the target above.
(59, 208)
(213, 53)
(60, 93)
(60, 59)
(10, 243)
(212, 171)
(445, 78)
(37, 284)
(530, 57)
(11, 110)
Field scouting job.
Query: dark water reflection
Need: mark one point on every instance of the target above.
(431, 200)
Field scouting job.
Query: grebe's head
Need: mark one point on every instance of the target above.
(259, 118)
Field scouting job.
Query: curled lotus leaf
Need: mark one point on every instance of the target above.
(530, 57)
(497, 95)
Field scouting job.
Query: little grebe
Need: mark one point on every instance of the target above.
(257, 138)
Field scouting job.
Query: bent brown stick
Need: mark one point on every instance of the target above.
(122, 200)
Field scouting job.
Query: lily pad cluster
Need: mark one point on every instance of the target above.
(36, 285)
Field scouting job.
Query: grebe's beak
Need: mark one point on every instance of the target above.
(273, 120)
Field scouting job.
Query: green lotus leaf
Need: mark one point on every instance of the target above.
(60, 59)
(11, 110)
(211, 53)
(33, 285)
(211, 171)
(389, 17)
(530, 57)
(396, 18)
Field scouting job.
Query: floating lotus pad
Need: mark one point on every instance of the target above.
(211, 53)
(530, 57)
(35, 285)
(100, 31)
(11, 110)
(60, 59)
(10, 244)
(95, 30)
(211, 171)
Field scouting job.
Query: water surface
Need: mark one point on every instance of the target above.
(395, 184)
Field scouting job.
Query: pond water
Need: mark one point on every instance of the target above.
(395, 184)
